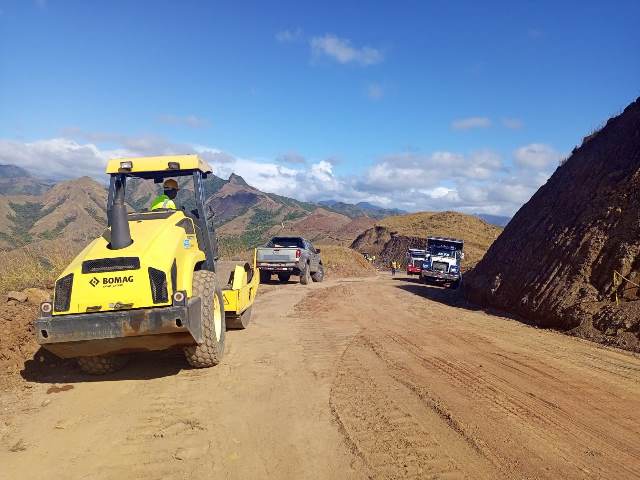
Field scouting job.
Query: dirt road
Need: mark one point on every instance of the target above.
(375, 378)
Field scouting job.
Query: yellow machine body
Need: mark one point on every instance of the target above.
(161, 244)
(241, 292)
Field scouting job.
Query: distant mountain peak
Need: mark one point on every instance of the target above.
(13, 171)
(237, 180)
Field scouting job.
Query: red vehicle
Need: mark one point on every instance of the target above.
(415, 257)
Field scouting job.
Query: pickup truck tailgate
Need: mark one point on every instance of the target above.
(284, 255)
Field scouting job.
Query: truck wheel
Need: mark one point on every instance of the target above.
(239, 322)
(319, 275)
(265, 277)
(284, 277)
(455, 285)
(102, 364)
(305, 275)
(210, 351)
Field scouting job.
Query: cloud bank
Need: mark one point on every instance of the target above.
(480, 181)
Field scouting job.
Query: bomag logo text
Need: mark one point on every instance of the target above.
(117, 280)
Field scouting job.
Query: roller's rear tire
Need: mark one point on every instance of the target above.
(319, 275)
(305, 275)
(209, 352)
(265, 277)
(102, 364)
(284, 277)
(241, 321)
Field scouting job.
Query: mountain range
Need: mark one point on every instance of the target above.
(34, 211)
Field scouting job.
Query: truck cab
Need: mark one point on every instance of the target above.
(415, 259)
(443, 261)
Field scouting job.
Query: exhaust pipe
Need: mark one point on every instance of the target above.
(120, 233)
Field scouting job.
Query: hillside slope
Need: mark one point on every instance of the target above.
(390, 238)
(554, 262)
(43, 231)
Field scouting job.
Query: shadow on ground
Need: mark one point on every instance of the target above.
(453, 298)
(45, 367)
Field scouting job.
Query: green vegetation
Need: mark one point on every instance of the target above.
(290, 202)
(296, 214)
(52, 234)
(253, 236)
(261, 221)
(101, 217)
(24, 218)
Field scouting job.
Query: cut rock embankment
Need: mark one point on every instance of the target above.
(554, 263)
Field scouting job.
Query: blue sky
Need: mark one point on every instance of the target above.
(418, 105)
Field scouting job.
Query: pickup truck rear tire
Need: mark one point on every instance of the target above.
(284, 277)
(319, 275)
(102, 364)
(210, 351)
(239, 322)
(305, 275)
(265, 277)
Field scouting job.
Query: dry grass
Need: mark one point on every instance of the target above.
(344, 262)
(476, 233)
(36, 265)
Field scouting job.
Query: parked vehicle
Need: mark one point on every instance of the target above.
(286, 256)
(443, 261)
(415, 259)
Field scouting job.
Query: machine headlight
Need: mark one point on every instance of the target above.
(126, 165)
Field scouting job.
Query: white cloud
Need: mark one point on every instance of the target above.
(342, 51)
(289, 36)
(537, 156)
(475, 182)
(512, 123)
(375, 91)
(57, 157)
(470, 123)
(191, 121)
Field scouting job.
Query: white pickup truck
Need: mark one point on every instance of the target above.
(286, 256)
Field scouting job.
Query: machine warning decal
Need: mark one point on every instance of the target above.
(186, 243)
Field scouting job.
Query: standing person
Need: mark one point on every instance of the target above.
(393, 268)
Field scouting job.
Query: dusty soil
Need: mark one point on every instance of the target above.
(326, 383)
(16, 337)
(555, 261)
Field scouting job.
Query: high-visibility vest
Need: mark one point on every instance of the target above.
(162, 201)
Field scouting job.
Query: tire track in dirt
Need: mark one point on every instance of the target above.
(393, 436)
(373, 412)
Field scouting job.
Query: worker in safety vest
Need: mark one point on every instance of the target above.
(165, 200)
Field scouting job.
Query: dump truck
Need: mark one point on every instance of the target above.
(415, 259)
(286, 256)
(443, 261)
(150, 281)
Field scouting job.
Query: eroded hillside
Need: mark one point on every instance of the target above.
(554, 263)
